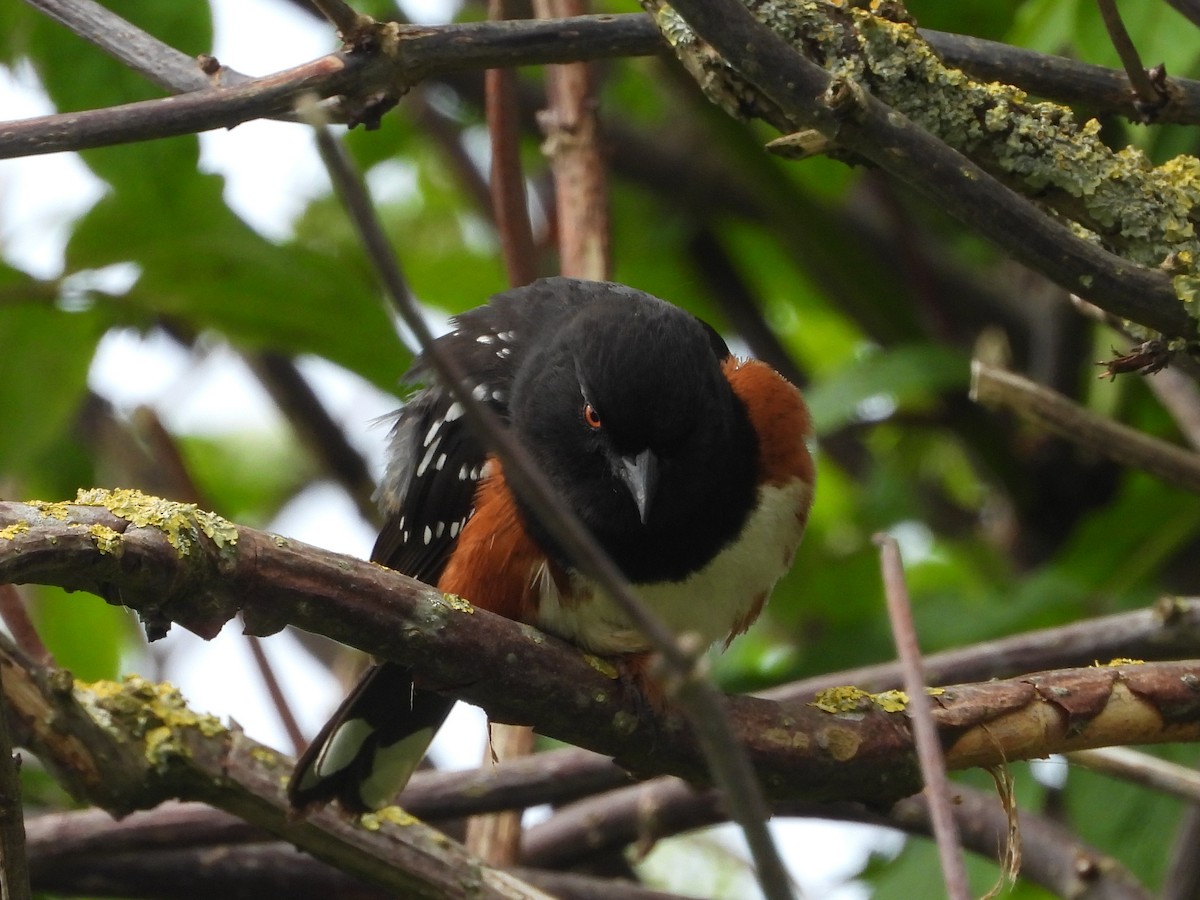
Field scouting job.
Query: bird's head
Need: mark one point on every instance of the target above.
(627, 411)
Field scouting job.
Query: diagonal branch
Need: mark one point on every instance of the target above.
(752, 69)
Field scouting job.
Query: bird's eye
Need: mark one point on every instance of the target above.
(591, 417)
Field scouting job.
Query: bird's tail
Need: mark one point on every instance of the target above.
(370, 747)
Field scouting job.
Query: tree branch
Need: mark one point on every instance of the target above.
(893, 87)
(167, 569)
(996, 388)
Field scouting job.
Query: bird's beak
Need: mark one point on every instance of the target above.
(640, 474)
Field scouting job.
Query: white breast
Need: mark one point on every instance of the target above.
(711, 603)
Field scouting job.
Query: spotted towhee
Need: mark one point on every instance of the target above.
(690, 467)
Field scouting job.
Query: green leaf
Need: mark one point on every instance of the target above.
(43, 376)
(85, 634)
(906, 376)
(203, 265)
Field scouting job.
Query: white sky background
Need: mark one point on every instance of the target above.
(271, 172)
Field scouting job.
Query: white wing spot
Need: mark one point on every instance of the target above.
(500, 396)
(427, 458)
(428, 534)
(454, 527)
(431, 434)
(441, 461)
(454, 412)
(504, 352)
(486, 338)
(463, 472)
(480, 392)
(441, 529)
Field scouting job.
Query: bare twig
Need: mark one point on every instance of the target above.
(14, 866)
(341, 15)
(510, 206)
(1189, 8)
(161, 63)
(728, 763)
(316, 428)
(929, 750)
(997, 388)
(16, 619)
(1141, 768)
(1180, 396)
(1150, 96)
(278, 699)
(1168, 630)
(496, 837)
(571, 127)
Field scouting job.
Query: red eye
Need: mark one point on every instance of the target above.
(591, 417)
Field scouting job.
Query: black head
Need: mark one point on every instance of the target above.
(627, 411)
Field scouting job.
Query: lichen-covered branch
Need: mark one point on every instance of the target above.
(872, 86)
(844, 744)
(134, 744)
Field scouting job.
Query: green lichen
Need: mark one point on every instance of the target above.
(153, 712)
(1144, 213)
(183, 524)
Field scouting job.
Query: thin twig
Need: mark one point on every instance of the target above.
(316, 428)
(282, 708)
(729, 764)
(1188, 8)
(572, 130)
(15, 616)
(1143, 769)
(925, 733)
(341, 15)
(1149, 95)
(1179, 396)
(161, 63)
(14, 866)
(510, 206)
(997, 388)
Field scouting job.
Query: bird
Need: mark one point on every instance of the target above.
(689, 466)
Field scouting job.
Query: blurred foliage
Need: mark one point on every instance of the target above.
(875, 299)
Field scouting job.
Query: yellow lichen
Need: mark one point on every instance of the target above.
(59, 511)
(1142, 212)
(603, 666)
(841, 699)
(107, 540)
(848, 699)
(458, 604)
(182, 523)
(154, 712)
(1124, 661)
(393, 815)
(11, 531)
(891, 701)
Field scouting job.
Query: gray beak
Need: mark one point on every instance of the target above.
(640, 474)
